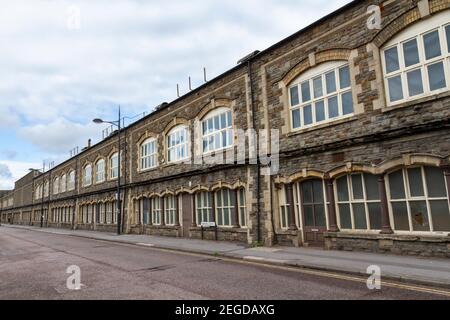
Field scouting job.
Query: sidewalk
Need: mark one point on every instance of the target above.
(430, 271)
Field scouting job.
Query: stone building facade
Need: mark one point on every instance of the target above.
(361, 103)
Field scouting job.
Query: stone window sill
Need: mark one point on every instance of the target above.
(416, 102)
(322, 126)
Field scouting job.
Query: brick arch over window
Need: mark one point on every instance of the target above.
(214, 104)
(319, 58)
(406, 20)
(351, 168)
(302, 175)
(175, 123)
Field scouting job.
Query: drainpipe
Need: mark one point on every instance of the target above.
(258, 164)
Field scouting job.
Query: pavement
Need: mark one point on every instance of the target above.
(413, 270)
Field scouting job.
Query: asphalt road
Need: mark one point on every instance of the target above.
(33, 265)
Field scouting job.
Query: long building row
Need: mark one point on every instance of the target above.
(355, 112)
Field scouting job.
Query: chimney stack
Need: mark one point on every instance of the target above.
(89, 143)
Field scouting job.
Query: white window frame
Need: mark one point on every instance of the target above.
(63, 183)
(46, 188)
(352, 201)
(242, 207)
(299, 203)
(175, 150)
(222, 210)
(114, 169)
(56, 186)
(438, 22)
(87, 175)
(170, 210)
(320, 71)
(147, 160)
(71, 181)
(283, 208)
(408, 198)
(217, 135)
(203, 207)
(156, 210)
(100, 171)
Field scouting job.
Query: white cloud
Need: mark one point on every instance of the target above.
(13, 171)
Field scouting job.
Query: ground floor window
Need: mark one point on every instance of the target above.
(203, 207)
(312, 204)
(358, 202)
(145, 211)
(170, 209)
(242, 200)
(283, 208)
(224, 207)
(156, 210)
(419, 199)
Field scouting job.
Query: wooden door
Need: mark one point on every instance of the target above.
(187, 213)
(314, 211)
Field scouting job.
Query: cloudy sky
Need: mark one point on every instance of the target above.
(64, 62)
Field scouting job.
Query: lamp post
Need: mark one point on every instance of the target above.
(119, 206)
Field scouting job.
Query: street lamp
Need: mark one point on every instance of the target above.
(119, 206)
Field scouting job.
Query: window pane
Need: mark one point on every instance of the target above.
(392, 63)
(318, 191)
(331, 82)
(306, 92)
(400, 213)
(294, 96)
(347, 103)
(344, 214)
(296, 122)
(307, 115)
(411, 53)
(307, 192)
(320, 111)
(375, 216)
(447, 31)
(436, 76)
(415, 85)
(441, 215)
(415, 182)
(432, 45)
(396, 185)
(395, 88)
(359, 214)
(344, 77)
(419, 216)
(333, 108)
(342, 189)
(283, 217)
(371, 184)
(357, 186)
(318, 90)
(309, 219)
(435, 182)
(319, 211)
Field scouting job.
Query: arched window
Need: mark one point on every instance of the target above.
(87, 175)
(321, 95)
(217, 130)
(46, 188)
(358, 202)
(203, 205)
(416, 62)
(38, 192)
(178, 144)
(149, 154)
(156, 210)
(71, 181)
(56, 186)
(63, 183)
(419, 199)
(224, 207)
(100, 171)
(170, 209)
(242, 202)
(114, 166)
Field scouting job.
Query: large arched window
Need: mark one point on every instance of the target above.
(217, 130)
(87, 175)
(224, 207)
(419, 199)
(416, 62)
(71, 181)
(114, 166)
(321, 95)
(170, 209)
(46, 188)
(178, 144)
(63, 183)
(149, 154)
(203, 205)
(155, 204)
(100, 171)
(358, 202)
(56, 185)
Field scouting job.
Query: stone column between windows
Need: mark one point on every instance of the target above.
(163, 211)
(177, 211)
(234, 198)
(213, 207)
(332, 219)
(385, 219)
(150, 212)
(290, 202)
(194, 211)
